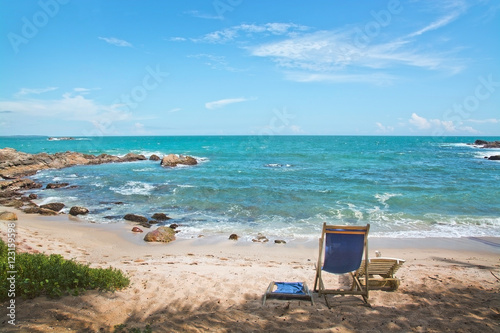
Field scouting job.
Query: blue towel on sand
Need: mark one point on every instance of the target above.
(289, 288)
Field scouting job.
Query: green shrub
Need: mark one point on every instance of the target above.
(53, 276)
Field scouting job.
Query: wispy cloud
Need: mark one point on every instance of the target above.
(215, 62)
(248, 30)
(223, 102)
(484, 121)
(37, 91)
(116, 41)
(338, 54)
(6, 111)
(198, 14)
(68, 107)
(177, 39)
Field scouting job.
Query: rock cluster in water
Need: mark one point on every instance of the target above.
(15, 165)
(489, 144)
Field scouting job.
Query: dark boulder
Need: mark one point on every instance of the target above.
(233, 237)
(55, 206)
(56, 185)
(160, 217)
(494, 158)
(154, 157)
(131, 157)
(77, 210)
(135, 218)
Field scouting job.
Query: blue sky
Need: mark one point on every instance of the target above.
(237, 67)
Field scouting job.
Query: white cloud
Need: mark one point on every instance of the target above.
(384, 129)
(419, 122)
(174, 110)
(177, 39)
(296, 129)
(68, 107)
(374, 78)
(483, 121)
(327, 52)
(438, 125)
(223, 102)
(230, 34)
(199, 14)
(116, 41)
(36, 91)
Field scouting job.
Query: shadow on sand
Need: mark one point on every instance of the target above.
(414, 308)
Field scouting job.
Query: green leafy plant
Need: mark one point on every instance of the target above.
(53, 276)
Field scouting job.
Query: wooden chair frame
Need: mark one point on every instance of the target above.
(357, 287)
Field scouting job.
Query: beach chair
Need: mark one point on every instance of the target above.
(381, 273)
(344, 248)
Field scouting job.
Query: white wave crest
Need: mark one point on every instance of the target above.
(133, 188)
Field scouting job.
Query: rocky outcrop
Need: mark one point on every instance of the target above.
(162, 234)
(55, 206)
(14, 164)
(154, 157)
(64, 138)
(494, 158)
(173, 160)
(487, 144)
(77, 210)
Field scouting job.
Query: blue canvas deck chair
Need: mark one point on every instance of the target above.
(344, 248)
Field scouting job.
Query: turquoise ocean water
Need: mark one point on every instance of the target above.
(286, 186)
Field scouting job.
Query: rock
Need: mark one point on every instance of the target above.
(77, 210)
(64, 138)
(487, 144)
(46, 212)
(145, 224)
(135, 218)
(494, 158)
(279, 241)
(18, 185)
(56, 185)
(162, 234)
(32, 210)
(136, 229)
(14, 164)
(173, 160)
(131, 157)
(160, 217)
(8, 216)
(260, 239)
(154, 157)
(233, 237)
(32, 196)
(153, 221)
(13, 203)
(173, 226)
(55, 206)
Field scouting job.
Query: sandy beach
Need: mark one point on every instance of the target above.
(198, 285)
